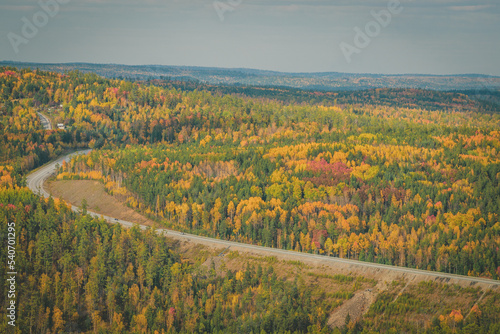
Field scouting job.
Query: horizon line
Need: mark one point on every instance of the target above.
(253, 69)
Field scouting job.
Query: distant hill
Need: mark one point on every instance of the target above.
(328, 81)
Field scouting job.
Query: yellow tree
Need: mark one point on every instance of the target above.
(329, 246)
(216, 215)
(57, 320)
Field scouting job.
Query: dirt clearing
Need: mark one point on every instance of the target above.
(74, 191)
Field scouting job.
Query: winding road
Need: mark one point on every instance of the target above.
(45, 121)
(37, 178)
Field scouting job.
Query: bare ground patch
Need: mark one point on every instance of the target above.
(354, 307)
(75, 191)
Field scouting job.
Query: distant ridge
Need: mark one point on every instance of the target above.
(325, 81)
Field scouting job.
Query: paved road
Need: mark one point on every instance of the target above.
(45, 121)
(36, 179)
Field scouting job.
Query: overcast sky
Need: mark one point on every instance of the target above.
(423, 36)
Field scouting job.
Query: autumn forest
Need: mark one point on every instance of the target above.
(408, 178)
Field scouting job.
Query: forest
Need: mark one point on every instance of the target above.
(81, 274)
(410, 186)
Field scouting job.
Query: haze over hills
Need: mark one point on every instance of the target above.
(327, 81)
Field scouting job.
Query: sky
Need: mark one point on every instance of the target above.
(354, 36)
